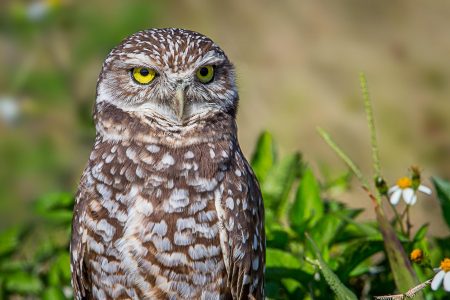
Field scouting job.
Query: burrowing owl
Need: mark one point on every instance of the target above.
(168, 207)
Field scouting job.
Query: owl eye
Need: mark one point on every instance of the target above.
(205, 74)
(143, 75)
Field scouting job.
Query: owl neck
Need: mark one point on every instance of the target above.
(115, 124)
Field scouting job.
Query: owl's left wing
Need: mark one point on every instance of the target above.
(241, 224)
(80, 277)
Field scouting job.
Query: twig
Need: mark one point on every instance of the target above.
(408, 295)
(412, 292)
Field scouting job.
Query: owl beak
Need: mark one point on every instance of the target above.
(179, 101)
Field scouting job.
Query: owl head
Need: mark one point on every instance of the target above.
(170, 74)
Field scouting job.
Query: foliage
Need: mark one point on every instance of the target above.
(345, 255)
(443, 191)
(342, 254)
(34, 257)
(316, 245)
(338, 257)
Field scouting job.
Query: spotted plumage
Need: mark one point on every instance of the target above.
(168, 207)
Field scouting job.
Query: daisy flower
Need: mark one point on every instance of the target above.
(404, 189)
(442, 276)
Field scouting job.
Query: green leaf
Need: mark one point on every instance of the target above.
(54, 202)
(277, 237)
(325, 231)
(341, 291)
(444, 247)
(59, 272)
(308, 205)
(44, 250)
(360, 269)
(278, 184)
(53, 276)
(355, 253)
(23, 283)
(280, 258)
(293, 287)
(281, 264)
(443, 192)
(342, 209)
(53, 293)
(338, 184)
(273, 290)
(421, 233)
(63, 264)
(11, 265)
(355, 229)
(58, 216)
(55, 207)
(401, 268)
(10, 239)
(264, 156)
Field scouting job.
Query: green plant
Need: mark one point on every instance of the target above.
(316, 245)
(34, 257)
(354, 257)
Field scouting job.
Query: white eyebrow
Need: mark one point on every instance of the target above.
(210, 58)
(138, 59)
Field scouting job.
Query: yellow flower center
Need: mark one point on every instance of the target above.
(445, 265)
(416, 255)
(404, 183)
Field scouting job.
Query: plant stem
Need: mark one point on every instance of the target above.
(371, 123)
(398, 218)
(408, 223)
(327, 138)
(365, 184)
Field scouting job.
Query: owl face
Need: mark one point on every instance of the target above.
(172, 74)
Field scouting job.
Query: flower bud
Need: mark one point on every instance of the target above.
(415, 177)
(416, 256)
(381, 185)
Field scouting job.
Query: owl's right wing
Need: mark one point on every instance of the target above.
(241, 225)
(80, 278)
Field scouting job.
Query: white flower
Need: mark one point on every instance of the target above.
(39, 9)
(9, 109)
(404, 189)
(442, 276)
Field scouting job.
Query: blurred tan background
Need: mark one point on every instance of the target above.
(297, 64)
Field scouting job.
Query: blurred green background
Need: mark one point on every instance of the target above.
(297, 64)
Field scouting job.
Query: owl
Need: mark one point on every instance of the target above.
(167, 207)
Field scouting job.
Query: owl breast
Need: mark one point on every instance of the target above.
(152, 223)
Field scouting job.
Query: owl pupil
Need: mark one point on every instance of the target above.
(144, 72)
(204, 71)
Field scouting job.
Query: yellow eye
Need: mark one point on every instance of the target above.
(143, 75)
(205, 74)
